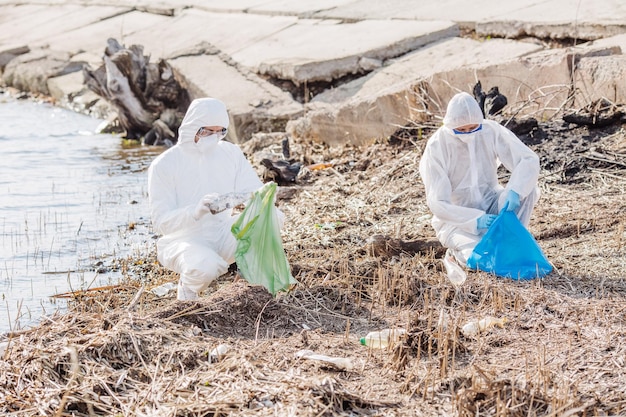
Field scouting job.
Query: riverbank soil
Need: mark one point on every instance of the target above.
(359, 242)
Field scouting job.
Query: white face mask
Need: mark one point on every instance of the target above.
(206, 143)
(466, 137)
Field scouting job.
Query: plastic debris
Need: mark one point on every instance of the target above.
(163, 290)
(473, 328)
(344, 364)
(383, 338)
(455, 273)
(219, 352)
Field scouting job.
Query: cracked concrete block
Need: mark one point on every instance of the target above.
(38, 24)
(600, 77)
(31, 71)
(63, 88)
(323, 50)
(376, 105)
(233, 33)
(254, 104)
(92, 38)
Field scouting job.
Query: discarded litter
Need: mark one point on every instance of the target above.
(163, 290)
(218, 352)
(344, 364)
(329, 225)
(383, 338)
(472, 328)
(455, 273)
(321, 165)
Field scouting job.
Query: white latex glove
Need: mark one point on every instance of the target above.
(203, 206)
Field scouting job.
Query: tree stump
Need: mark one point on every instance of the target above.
(149, 100)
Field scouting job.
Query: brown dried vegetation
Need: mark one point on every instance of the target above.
(359, 242)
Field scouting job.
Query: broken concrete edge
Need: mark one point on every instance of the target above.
(566, 78)
(360, 63)
(578, 32)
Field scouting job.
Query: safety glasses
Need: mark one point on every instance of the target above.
(460, 132)
(205, 131)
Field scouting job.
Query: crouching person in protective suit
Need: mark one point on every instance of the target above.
(191, 186)
(459, 168)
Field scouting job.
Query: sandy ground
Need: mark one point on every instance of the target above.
(359, 242)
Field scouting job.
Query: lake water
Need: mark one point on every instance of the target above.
(67, 199)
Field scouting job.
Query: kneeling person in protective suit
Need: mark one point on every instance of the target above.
(190, 187)
(459, 168)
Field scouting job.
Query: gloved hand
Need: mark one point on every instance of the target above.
(484, 221)
(228, 201)
(204, 205)
(512, 202)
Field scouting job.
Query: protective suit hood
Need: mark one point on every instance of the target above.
(202, 112)
(462, 110)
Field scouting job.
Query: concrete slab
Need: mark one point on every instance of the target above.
(600, 77)
(254, 105)
(377, 105)
(454, 10)
(299, 8)
(93, 38)
(552, 18)
(30, 71)
(618, 41)
(231, 33)
(322, 50)
(567, 11)
(64, 87)
(32, 24)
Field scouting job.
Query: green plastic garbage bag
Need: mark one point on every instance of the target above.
(260, 255)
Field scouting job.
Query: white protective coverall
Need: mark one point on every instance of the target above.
(178, 179)
(460, 175)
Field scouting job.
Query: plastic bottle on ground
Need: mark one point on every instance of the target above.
(474, 327)
(383, 338)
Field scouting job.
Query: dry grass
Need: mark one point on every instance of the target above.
(128, 352)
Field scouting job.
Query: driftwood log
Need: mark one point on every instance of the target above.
(149, 100)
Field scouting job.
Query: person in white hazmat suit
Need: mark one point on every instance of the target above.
(188, 185)
(459, 169)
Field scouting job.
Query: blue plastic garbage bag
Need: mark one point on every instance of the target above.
(509, 250)
(260, 255)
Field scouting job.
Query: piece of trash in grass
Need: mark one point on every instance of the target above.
(321, 165)
(383, 338)
(344, 364)
(329, 225)
(218, 352)
(472, 328)
(455, 273)
(163, 290)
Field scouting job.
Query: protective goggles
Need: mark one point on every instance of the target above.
(205, 131)
(459, 132)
